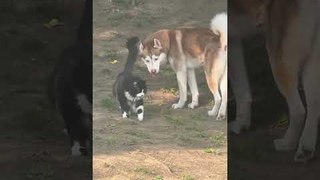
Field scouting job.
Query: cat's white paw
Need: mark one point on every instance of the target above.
(140, 117)
(125, 115)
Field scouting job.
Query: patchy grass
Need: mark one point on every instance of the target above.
(124, 3)
(218, 139)
(145, 170)
(174, 120)
(173, 91)
(210, 103)
(107, 103)
(111, 140)
(197, 117)
(142, 22)
(283, 121)
(213, 151)
(131, 142)
(188, 177)
(159, 177)
(112, 55)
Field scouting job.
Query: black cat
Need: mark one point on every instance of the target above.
(70, 86)
(128, 88)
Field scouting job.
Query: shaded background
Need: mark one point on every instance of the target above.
(251, 155)
(33, 33)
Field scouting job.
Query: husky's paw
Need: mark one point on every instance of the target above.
(283, 145)
(237, 127)
(303, 155)
(212, 113)
(177, 106)
(192, 105)
(220, 117)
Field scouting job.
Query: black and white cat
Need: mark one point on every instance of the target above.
(128, 88)
(70, 86)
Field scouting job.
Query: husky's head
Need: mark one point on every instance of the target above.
(153, 55)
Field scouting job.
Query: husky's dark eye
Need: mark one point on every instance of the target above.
(156, 58)
(147, 61)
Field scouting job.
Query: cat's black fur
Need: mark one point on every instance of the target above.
(128, 88)
(70, 86)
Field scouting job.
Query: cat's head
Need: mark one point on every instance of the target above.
(136, 90)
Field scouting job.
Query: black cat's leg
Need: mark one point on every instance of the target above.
(78, 132)
(140, 109)
(124, 106)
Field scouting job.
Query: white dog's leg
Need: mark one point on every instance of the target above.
(224, 95)
(182, 84)
(296, 56)
(308, 140)
(217, 103)
(192, 81)
(240, 86)
(297, 115)
(311, 85)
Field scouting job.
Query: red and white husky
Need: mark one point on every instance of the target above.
(187, 49)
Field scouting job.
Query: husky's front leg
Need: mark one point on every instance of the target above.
(239, 82)
(192, 81)
(182, 84)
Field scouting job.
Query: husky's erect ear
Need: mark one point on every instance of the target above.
(141, 47)
(157, 44)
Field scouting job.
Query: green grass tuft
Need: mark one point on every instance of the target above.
(107, 103)
(188, 177)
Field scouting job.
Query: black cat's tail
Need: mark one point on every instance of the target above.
(132, 46)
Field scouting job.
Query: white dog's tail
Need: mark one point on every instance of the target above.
(219, 25)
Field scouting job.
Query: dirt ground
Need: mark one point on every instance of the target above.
(32, 144)
(168, 144)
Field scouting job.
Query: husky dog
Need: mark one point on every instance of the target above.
(291, 29)
(129, 89)
(187, 49)
(70, 87)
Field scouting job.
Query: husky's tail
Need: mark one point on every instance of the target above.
(132, 46)
(219, 25)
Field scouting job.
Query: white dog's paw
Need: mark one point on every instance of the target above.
(220, 117)
(303, 155)
(237, 127)
(140, 117)
(306, 149)
(283, 145)
(192, 105)
(177, 106)
(212, 113)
